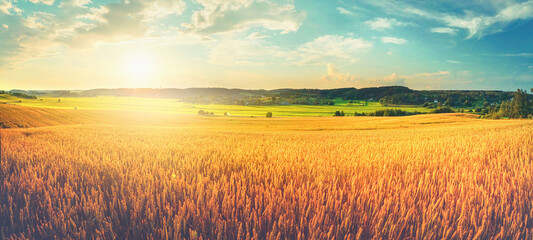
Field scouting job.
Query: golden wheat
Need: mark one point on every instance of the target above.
(460, 180)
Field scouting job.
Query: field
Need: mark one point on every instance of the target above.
(174, 106)
(102, 174)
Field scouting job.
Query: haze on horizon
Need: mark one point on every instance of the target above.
(256, 44)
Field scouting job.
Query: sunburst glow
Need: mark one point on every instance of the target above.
(139, 68)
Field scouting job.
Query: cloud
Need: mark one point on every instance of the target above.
(453, 61)
(384, 23)
(424, 80)
(334, 76)
(256, 35)
(344, 11)
(75, 24)
(518, 55)
(243, 53)
(479, 25)
(393, 40)
(393, 79)
(439, 73)
(337, 78)
(445, 30)
(477, 18)
(8, 8)
(47, 2)
(234, 15)
(327, 49)
(123, 21)
(321, 51)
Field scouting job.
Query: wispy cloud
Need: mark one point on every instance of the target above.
(393, 40)
(518, 55)
(476, 22)
(344, 11)
(329, 48)
(478, 25)
(226, 16)
(47, 2)
(445, 30)
(384, 23)
(256, 35)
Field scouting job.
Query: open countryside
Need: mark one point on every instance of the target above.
(175, 106)
(266, 119)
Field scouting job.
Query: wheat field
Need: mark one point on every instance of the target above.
(418, 177)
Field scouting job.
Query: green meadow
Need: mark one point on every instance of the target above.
(175, 106)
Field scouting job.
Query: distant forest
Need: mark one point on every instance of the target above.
(388, 96)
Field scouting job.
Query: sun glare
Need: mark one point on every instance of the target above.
(138, 68)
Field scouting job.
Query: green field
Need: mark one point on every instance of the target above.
(175, 106)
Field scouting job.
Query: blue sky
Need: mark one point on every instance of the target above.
(82, 44)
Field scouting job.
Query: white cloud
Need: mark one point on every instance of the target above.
(384, 23)
(5, 26)
(256, 35)
(393, 40)
(8, 8)
(47, 2)
(243, 52)
(77, 25)
(478, 18)
(518, 55)
(453, 61)
(233, 15)
(327, 49)
(445, 30)
(393, 79)
(334, 76)
(344, 11)
(478, 25)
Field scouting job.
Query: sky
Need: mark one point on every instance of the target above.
(257, 44)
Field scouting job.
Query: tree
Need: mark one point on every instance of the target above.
(339, 113)
(269, 114)
(518, 107)
(448, 102)
(226, 113)
(201, 112)
(519, 104)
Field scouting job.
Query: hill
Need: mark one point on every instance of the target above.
(390, 95)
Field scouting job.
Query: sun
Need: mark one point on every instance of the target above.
(138, 68)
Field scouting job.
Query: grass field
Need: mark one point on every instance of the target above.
(174, 106)
(175, 176)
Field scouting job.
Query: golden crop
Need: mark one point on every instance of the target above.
(346, 178)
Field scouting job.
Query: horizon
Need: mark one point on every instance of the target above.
(258, 44)
(528, 91)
